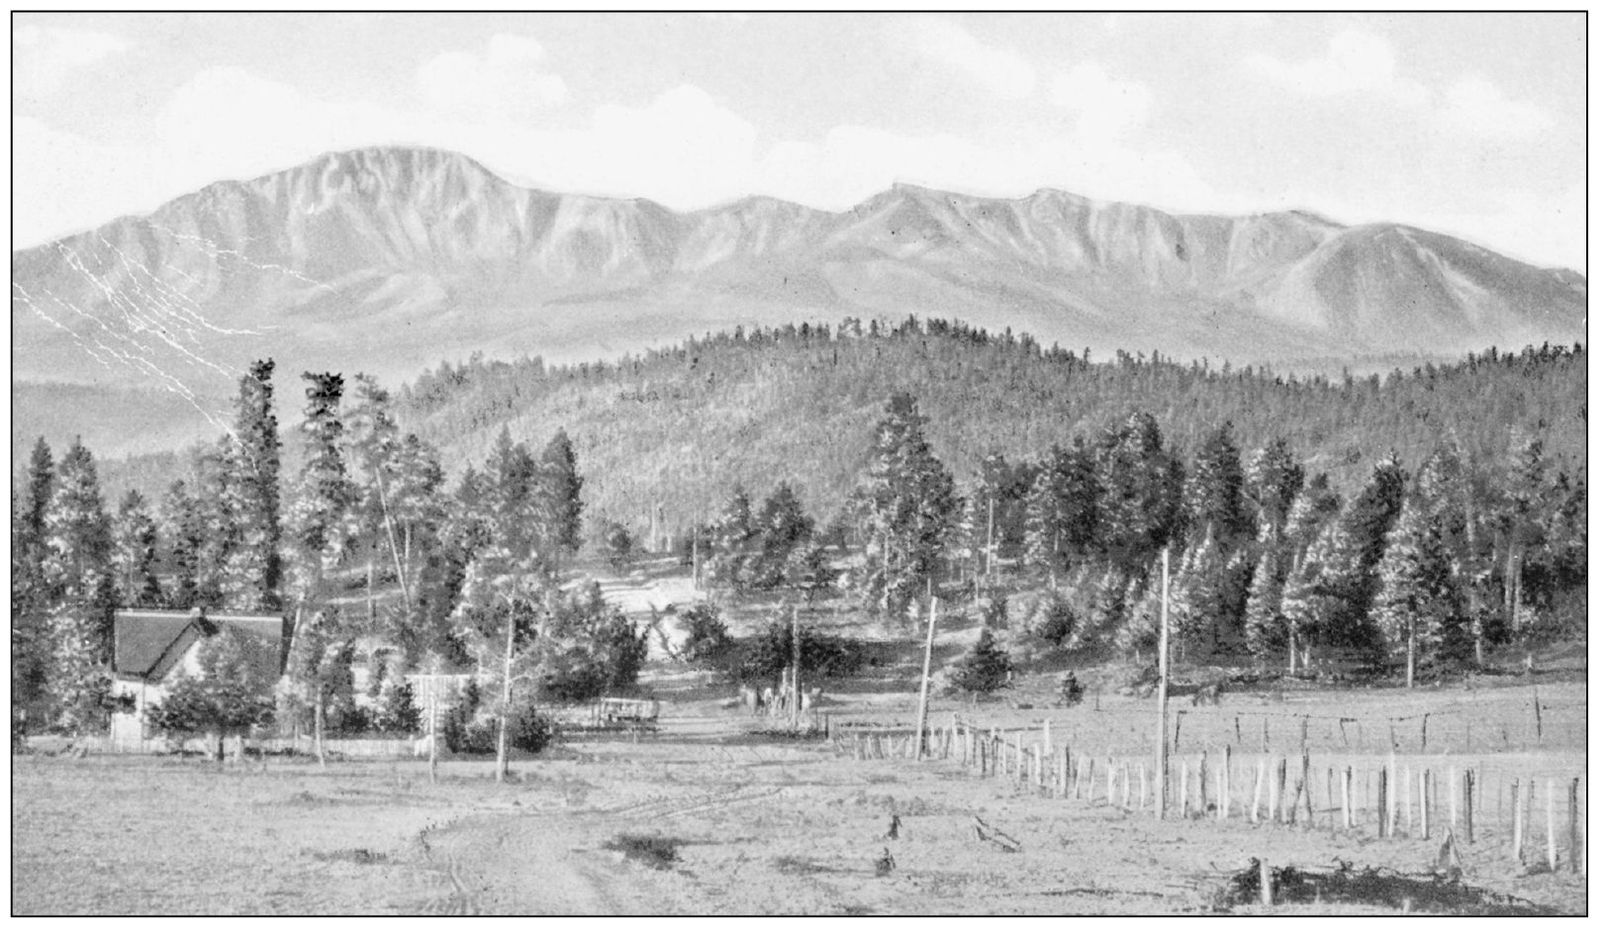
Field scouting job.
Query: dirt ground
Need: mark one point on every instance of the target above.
(757, 825)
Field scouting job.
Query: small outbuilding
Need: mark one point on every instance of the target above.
(153, 649)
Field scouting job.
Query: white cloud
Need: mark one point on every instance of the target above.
(509, 80)
(1105, 108)
(43, 56)
(1354, 63)
(1002, 72)
(1477, 107)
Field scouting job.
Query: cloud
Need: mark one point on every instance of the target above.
(43, 56)
(1002, 72)
(1354, 63)
(1477, 107)
(1105, 108)
(509, 80)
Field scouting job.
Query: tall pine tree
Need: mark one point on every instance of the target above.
(254, 569)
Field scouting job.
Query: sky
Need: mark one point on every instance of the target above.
(1471, 124)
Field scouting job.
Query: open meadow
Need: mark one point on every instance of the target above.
(712, 814)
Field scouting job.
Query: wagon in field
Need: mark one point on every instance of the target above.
(612, 712)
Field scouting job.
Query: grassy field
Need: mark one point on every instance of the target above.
(709, 815)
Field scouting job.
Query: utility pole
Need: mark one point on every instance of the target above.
(926, 679)
(1161, 697)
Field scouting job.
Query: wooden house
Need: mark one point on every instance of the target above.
(152, 649)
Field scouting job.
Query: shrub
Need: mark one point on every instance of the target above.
(1052, 621)
(1071, 689)
(528, 730)
(763, 657)
(397, 711)
(708, 642)
(985, 669)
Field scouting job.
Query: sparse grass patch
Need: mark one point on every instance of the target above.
(655, 851)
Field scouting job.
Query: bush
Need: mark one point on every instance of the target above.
(985, 669)
(709, 642)
(397, 712)
(762, 657)
(528, 730)
(1052, 621)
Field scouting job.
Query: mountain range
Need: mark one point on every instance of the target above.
(389, 260)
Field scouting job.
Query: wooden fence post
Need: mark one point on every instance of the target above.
(1111, 781)
(1345, 799)
(1468, 807)
(1306, 784)
(1537, 693)
(1423, 802)
(1256, 789)
(1200, 777)
(1275, 806)
(1423, 734)
(1127, 787)
(1451, 799)
(1518, 825)
(1328, 793)
(1552, 829)
(1143, 791)
(1183, 789)
(1223, 787)
(1574, 824)
(1390, 796)
(1384, 816)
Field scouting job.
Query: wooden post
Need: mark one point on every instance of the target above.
(1111, 782)
(1256, 788)
(1275, 807)
(1346, 820)
(1518, 825)
(1016, 774)
(1452, 799)
(1264, 735)
(1552, 828)
(1127, 787)
(1266, 874)
(1423, 734)
(1223, 787)
(1423, 802)
(1384, 816)
(926, 674)
(1573, 825)
(1063, 770)
(1161, 691)
(1537, 693)
(435, 752)
(1143, 786)
(1306, 784)
(1328, 793)
(1468, 807)
(1390, 798)
(1183, 789)
(1200, 782)
(1048, 745)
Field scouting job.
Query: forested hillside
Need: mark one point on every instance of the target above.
(680, 428)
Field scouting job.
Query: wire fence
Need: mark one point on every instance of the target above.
(1482, 811)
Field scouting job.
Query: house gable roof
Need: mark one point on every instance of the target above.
(148, 643)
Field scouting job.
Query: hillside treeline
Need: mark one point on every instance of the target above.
(668, 433)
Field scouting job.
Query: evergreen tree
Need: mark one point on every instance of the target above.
(324, 491)
(184, 532)
(78, 571)
(1140, 486)
(1350, 563)
(1266, 626)
(986, 667)
(910, 498)
(1213, 496)
(254, 567)
(1417, 609)
(1273, 481)
(30, 590)
(783, 529)
(134, 554)
(559, 493)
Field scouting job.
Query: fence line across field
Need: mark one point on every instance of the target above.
(1482, 814)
